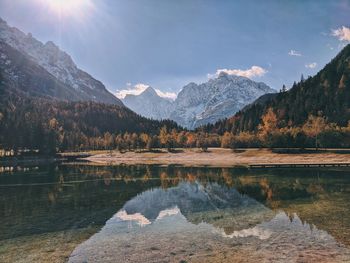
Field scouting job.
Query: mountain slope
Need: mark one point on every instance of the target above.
(216, 99)
(19, 72)
(39, 123)
(79, 85)
(198, 105)
(193, 199)
(327, 94)
(149, 104)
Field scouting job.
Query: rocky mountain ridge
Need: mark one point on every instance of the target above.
(200, 104)
(56, 62)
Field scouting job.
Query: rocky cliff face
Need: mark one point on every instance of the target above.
(199, 104)
(149, 104)
(216, 99)
(79, 85)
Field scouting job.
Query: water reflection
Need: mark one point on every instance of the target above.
(193, 222)
(179, 213)
(212, 203)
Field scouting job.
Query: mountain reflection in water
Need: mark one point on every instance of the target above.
(173, 213)
(198, 223)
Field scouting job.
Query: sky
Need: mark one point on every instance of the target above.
(130, 44)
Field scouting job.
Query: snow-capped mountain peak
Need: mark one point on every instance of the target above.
(149, 92)
(149, 104)
(199, 104)
(216, 99)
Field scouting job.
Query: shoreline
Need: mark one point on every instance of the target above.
(14, 161)
(214, 157)
(219, 157)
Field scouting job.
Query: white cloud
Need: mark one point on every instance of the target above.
(254, 71)
(168, 212)
(166, 94)
(139, 218)
(139, 88)
(311, 65)
(342, 33)
(294, 53)
(131, 90)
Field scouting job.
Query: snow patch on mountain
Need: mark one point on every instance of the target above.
(149, 104)
(139, 88)
(216, 99)
(200, 104)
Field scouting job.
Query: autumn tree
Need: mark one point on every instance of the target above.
(269, 123)
(314, 126)
(127, 140)
(227, 140)
(181, 139)
(163, 136)
(246, 139)
(134, 141)
(108, 141)
(172, 142)
(190, 139)
(268, 126)
(144, 138)
(202, 141)
(150, 144)
(120, 143)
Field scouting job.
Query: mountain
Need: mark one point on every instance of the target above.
(216, 99)
(48, 104)
(49, 71)
(37, 123)
(198, 203)
(21, 73)
(149, 104)
(201, 223)
(261, 100)
(326, 94)
(200, 104)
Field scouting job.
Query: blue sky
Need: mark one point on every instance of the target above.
(167, 44)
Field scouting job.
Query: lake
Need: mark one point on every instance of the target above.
(77, 212)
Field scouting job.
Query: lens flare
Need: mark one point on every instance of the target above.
(68, 7)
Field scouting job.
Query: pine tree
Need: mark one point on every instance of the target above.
(284, 89)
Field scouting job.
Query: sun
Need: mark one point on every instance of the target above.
(64, 6)
(67, 7)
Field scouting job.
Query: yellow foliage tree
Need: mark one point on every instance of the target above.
(269, 123)
(163, 136)
(314, 126)
(227, 140)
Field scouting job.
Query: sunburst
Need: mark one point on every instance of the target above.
(68, 7)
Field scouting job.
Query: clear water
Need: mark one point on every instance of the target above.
(83, 213)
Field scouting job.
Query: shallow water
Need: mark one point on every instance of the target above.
(83, 213)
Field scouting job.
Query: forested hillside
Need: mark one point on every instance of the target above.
(50, 125)
(313, 113)
(327, 94)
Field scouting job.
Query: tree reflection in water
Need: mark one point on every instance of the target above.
(53, 198)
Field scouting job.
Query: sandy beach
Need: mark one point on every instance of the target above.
(218, 157)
